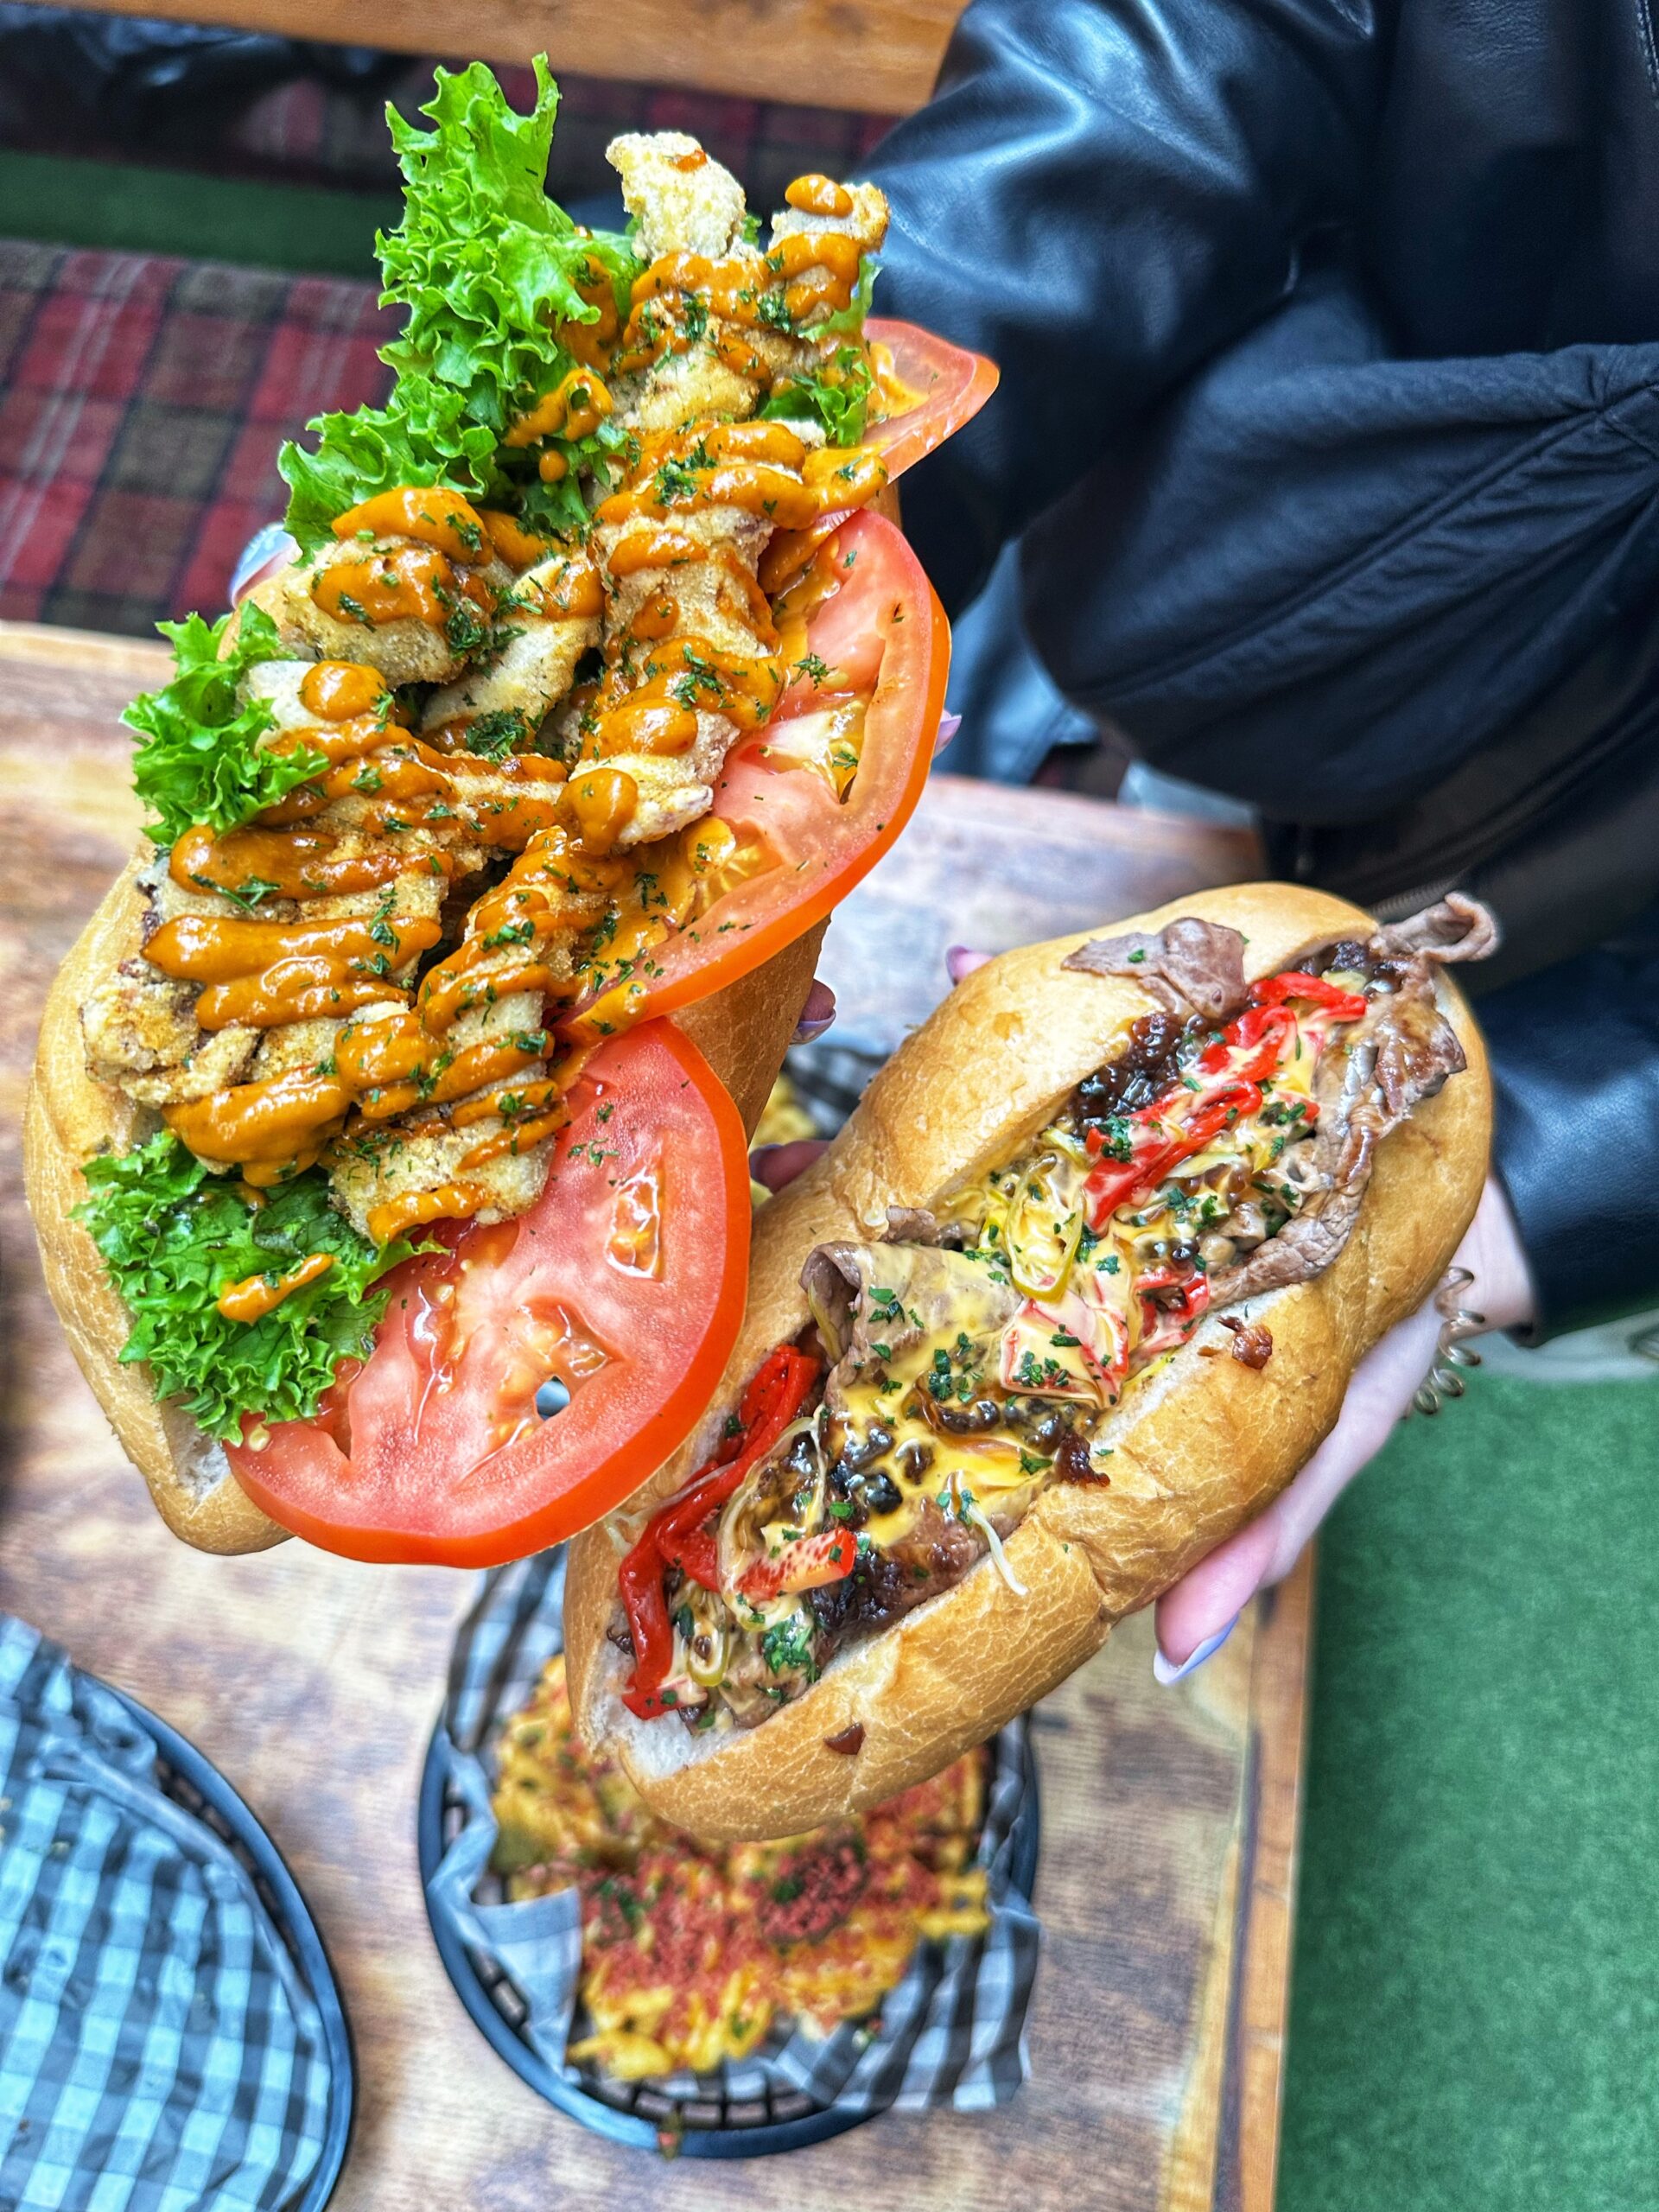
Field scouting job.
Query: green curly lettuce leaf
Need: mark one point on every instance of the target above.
(849, 322)
(560, 510)
(838, 397)
(173, 1236)
(421, 435)
(485, 263)
(200, 759)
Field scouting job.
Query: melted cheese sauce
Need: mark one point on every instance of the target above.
(976, 1414)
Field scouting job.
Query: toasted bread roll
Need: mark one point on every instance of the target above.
(1200, 1444)
(741, 1031)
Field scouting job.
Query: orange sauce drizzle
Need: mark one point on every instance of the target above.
(432, 516)
(818, 195)
(819, 268)
(413, 583)
(255, 1296)
(297, 863)
(395, 1217)
(593, 343)
(575, 408)
(268, 1129)
(575, 588)
(516, 1137)
(265, 973)
(518, 547)
(564, 826)
(341, 691)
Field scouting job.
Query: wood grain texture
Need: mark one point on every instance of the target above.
(876, 57)
(994, 871)
(1169, 1817)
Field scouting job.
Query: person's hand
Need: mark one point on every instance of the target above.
(1196, 1616)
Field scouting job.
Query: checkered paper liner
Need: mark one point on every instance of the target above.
(951, 2033)
(829, 1077)
(159, 2050)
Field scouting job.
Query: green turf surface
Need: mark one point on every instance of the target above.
(1475, 2019)
(137, 210)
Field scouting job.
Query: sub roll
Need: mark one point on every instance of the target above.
(1077, 1291)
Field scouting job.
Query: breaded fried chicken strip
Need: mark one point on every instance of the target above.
(318, 618)
(706, 342)
(551, 616)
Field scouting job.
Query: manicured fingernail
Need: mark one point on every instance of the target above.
(960, 960)
(774, 1165)
(949, 725)
(1166, 1671)
(816, 1015)
(263, 551)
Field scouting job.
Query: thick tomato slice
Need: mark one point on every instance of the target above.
(884, 645)
(932, 386)
(625, 1281)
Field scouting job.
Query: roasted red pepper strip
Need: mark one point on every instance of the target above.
(641, 1581)
(771, 1402)
(677, 1537)
(1114, 1180)
(1262, 1030)
(1342, 1006)
(1231, 1102)
(1266, 1026)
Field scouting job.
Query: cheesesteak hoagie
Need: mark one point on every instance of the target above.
(1072, 1296)
(594, 681)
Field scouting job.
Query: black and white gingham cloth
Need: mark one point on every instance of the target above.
(951, 2033)
(158, 2051)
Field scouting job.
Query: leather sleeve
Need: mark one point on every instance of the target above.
(1575, 1059)
(1099, 193)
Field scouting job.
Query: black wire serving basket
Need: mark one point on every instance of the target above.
(740, 2110)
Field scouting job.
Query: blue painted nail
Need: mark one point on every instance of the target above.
(1165, 1672)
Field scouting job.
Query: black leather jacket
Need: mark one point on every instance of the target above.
(1329, 424)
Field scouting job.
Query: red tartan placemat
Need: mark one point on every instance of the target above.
(142, 404)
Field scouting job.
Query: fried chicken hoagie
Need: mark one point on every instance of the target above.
(1075, 1292)
(356, 1123)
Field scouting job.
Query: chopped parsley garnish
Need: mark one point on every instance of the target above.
(787, 1649)
(493, 736)
(248, 893)
(675, 480)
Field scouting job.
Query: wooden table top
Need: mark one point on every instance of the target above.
(1169, 1817)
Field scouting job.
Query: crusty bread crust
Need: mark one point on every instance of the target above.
(741, 1031)
(1200, 1446)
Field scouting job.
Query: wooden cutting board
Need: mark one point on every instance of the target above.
(1169, 1817)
